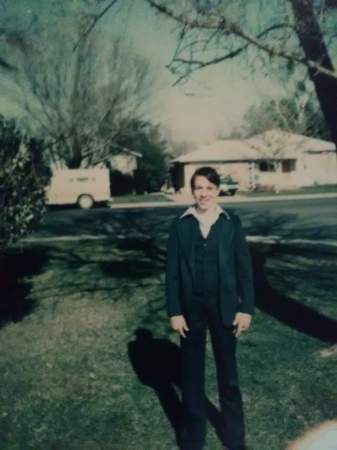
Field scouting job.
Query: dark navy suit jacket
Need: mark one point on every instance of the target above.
(236, 292)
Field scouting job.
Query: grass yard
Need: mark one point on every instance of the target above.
(139, 198)
(324, 189)
(88, 363)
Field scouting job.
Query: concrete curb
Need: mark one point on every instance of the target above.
(187, 200)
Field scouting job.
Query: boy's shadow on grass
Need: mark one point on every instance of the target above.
(157, 364)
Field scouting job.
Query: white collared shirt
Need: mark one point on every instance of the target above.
(205, 220)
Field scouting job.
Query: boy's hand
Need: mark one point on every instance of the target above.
(241, 323)
(178, 323)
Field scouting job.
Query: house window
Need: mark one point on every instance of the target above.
(267, 166)
(83, 179)
(288, 165)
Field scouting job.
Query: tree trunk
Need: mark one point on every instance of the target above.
(313, 45)
(74, 156)
(74, 161)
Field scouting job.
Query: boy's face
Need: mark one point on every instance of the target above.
(205, 193)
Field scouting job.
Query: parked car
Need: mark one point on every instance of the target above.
(228, 186)
(83, 187)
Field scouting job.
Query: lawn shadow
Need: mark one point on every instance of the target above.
(132, 262)
(272, 301)
(147, 245)
(145, 258)
(157, 365)
(16, 266)
(286, 225)
(283, 308)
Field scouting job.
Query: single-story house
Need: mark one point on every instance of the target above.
(274, 160)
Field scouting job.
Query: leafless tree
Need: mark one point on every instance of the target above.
(79, 87)
(298, 115)
(83, 99)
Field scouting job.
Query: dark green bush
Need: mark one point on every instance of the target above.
(23, 177)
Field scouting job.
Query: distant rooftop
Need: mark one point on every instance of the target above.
(289, 143)
(272, 143)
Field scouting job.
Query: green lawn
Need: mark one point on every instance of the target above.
(75, 377)
(324, 189)
(139, 198)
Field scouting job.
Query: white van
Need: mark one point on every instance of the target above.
(83, 187)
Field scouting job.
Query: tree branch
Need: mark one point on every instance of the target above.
(227, 27)
(94, 22)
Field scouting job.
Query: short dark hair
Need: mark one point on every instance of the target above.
(208, 172)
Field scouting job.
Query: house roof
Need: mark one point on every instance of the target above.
(288, 145)
(229, 150)
(276, 144)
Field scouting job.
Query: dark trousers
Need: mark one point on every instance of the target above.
(193, 432)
